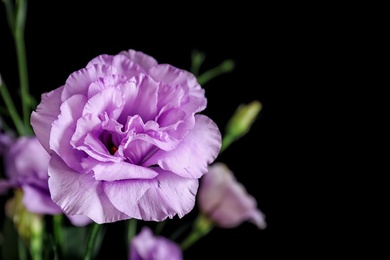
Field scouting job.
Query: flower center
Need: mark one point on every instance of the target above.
(113, 150)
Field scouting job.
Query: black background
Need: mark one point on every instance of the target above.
(61, 37)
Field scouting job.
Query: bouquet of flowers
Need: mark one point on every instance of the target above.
(123, 139)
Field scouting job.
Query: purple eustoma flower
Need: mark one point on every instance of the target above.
(147, 246)
(26, 167)
(126, 139)
(226, 201)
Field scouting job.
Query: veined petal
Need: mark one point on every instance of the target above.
(80, 194)
(120, 62)
(107, 100)
(142, 59)
(113, 171)
(164, 196)
(141, 99)
(192, 156)
(63, 129)
(46, 113)
(79, 81)
(169, 74)
(195, 94)
(109, 81)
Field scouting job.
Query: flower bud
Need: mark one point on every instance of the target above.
(242, 120)
(27, 224)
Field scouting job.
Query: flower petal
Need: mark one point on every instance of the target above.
(141, 100)
(223, 199)
(237, 207)
(147, 246)
(173, 76)
(164, 196)
(192, 156)
(79, 220)
(39, 201)
(80, 194)
(120, 62)
(113, 171)
(46, 113)
(142, 59)
(63, 129)
(79, 81)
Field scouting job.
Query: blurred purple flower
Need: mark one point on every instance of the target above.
(26, 167)
(6, 139)
(225, 201)
(146, 246)
(126, 140)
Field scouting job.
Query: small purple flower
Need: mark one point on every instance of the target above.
(126, 140)
(225, 201)
(146, 246)
(26, 167)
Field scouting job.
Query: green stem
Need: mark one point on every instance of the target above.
(10, 14)
(197, 59)
(57, 229)
(22, 61)
(36, 247)
(131, 229)
(22, 254)
(179, 231)
(226, 141)
(24, 88)
(11, 108)
(202, 227)
(91, 240)
(159, 227)
(37, 227)
(17, 21)
(224, 67)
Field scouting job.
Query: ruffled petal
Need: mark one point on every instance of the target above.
(141, 99)
(80, 194)
(122, 64)
(63, 129)
(195, 94)
(165, 196)
(171, 75)
(108, 100)
(192, 156)
(46, 113)
(79, 81)
(142, 59)
(86, 138)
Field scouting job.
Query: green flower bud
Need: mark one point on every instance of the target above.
(28, 225)
(241, 122)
